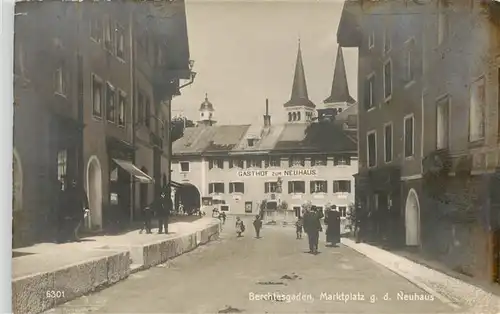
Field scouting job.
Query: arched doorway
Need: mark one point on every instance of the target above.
(189, 196)
(94, 192)
(412, 219)
(17, 182)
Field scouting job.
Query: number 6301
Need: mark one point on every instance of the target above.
(54, 294)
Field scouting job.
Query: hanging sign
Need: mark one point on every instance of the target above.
(277, 173)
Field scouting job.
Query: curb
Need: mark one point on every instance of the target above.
(40, 292)
(447, 289)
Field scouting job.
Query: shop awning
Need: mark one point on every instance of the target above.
(134, 171)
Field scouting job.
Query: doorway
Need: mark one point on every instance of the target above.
(94, 191)
(412, 219)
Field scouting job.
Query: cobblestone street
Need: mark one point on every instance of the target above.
(230, 275)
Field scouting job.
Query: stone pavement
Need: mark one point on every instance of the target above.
(268, 275)
(48, 274)
(448, 289)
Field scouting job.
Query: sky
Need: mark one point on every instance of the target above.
(245, 52)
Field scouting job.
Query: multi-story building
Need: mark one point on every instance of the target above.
(427, 90)
(239, 166)
(113, 82)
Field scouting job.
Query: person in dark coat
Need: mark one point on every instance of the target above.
(332, 220)
(147, 215)
(163, 208)
(257, 224)
(312, 226)
(76, 205)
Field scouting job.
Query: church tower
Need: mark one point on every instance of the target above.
(206, 113)
(299, 108)
(340, 98)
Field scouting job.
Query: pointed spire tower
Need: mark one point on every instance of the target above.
(299, 108)
(340, 98)
(206, 113)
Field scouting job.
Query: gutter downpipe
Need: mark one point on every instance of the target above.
(132, 105)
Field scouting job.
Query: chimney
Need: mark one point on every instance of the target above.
(267, 117)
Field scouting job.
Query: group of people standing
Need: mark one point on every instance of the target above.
(311, 224)
(161, 207)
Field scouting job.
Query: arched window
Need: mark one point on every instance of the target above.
(17, 182)
(289, 116)
(298, 116)
(294, 116)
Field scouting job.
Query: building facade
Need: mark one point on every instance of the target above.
(419, 87)
(110, 103)
(238, 167)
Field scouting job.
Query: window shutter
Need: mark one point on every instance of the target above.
(231, 187)
(290, 187)
(210, 164)
(311, 186)
(210, 188)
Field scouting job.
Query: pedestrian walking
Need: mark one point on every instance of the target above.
(332, 220)
(257, 224)
(312, 226)
(76, 206)
(240, 227)
(223, 217)
(298, 227)
(215, 212)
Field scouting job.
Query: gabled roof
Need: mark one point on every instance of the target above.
(209, 139)
(340, 88)
(285, 138)
(315, 137)
(299, 95)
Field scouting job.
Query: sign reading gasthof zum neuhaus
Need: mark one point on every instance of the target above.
(277, 173)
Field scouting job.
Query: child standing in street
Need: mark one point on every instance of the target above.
(240, 227)
(298, 227)
(147, 215)
(257, 224)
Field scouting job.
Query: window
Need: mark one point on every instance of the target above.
(387, 80)
(409, 62)
(62, 165)
(147, 113)
(122, 99)
(236, 187)
(60, 83)
(273, 162)
(298, 116)
(387, 40)
(184, 166)
(236, 163)
(289, 117)
(319, 161)
(409, 136)
(254, 163)
(110, 103)
(388, 142)
(443, 21)
(296, 161)
(97, 93)
(371, 40)
(343, 211)
(216, 188)
(477, 110)
(216, 163)
(108, 35)
(294, 116)
(251, 142)
(296, 187)
(342, 186)
(140, 108)
(120, 42)
(96, 30)
(270, 187)
(341, 161)
(318, 186)
(442, 123)
(372, 149)
(370, 92)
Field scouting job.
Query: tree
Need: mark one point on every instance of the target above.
(178, 124)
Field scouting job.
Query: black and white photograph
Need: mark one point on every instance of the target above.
(266, 156)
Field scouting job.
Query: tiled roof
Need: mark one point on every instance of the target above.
(207, 139)
(315, 137)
